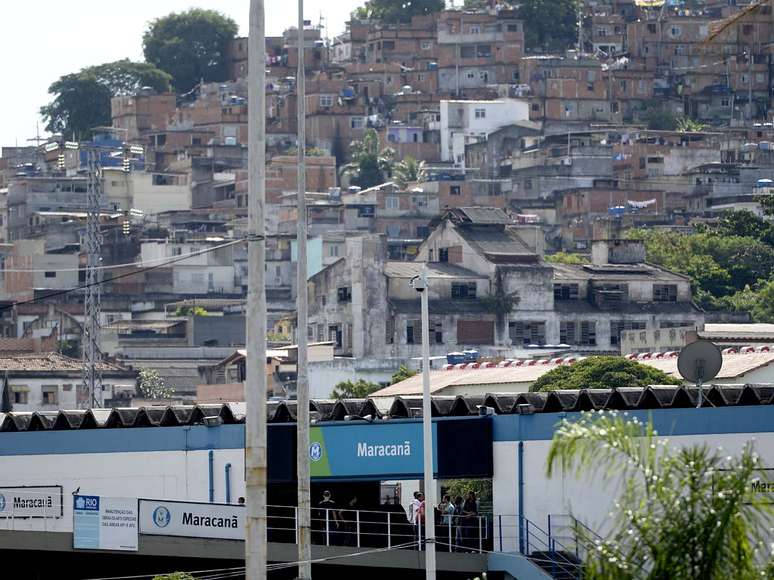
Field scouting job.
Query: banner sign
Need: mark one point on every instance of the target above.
(384, 450)
(192, 520)
(31, 502)
(104, 523)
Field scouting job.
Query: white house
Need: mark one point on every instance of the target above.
(51, 381)
(465, 122)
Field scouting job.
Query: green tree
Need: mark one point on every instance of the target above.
(151, 385)
(549, 24)
(191, 46)
(358, 389)
(397, 10)
(767, 204)
(409, 170)
(191, 311)
(402, 374)
(682, 514)
(657, 118)
(82, 100)
(370, 165)
(688, 125)
(567, 258)
(460, 487)
(602, 372)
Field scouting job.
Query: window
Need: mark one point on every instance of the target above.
(389, 331)
(747, 29)
(484, 51)
(320, 332)
(474, 30)
(50, 395)
(567, 332)
(536, 107)
(443, 255)
(335, 335)
(436, 332)
(467, 52)
(67, 388)
(513, 28)
(528, 184)
(344, 294)
(664, 293)
(333, 251)
(50, 274)
(310, 331)
(651, 28)
(480, 113)
(463, 290)
(724, 102)
(470, 74)
(618, 326)
(455, 190)
(588, 333)
(426, 45)
(357, 122)
(565, 291)
(423, 231)
(526, 333)
(601, 32)
(326, 100)
(21, 395)
(413, 332)
(392, 202)
(675, 31)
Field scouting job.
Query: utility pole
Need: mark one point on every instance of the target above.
(92, 380)
(302, 377)
(421, 285)
(255, 388)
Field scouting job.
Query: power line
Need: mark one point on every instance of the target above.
(106, 280)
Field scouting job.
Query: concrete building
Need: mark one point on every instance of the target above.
(51, 381)
(464, 122)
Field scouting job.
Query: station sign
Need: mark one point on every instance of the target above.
(104, 523)
(192, 520)
(389, 450)
(37, 501)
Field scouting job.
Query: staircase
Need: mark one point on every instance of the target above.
(560, 565)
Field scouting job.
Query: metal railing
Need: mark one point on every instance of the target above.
(379, 529)
(556, 553)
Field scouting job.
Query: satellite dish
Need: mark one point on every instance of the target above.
(699, 362)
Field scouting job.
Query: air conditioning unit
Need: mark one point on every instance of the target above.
(567, 161)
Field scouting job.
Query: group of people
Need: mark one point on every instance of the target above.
(456, 522)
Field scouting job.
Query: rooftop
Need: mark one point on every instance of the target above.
(49, 362)
(434, 270)
(388, 408)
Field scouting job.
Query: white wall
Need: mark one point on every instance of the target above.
(152, 199)
(590, 500)
(173, 475)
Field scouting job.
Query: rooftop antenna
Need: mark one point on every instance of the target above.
(698, 363)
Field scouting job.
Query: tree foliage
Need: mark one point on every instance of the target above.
(550, 25)
(658, 118)
(567, 258)
(730, 263)
(191, 46)
(683, 513)
(402, 374)
(151, 385)
(370, 165)
(602, 372)
(358, 389)
(409, 170)
(397, 10)
(82, 100)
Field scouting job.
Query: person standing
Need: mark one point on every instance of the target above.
(414, 506)
(446, 511)
(329, 518)
(470, 520)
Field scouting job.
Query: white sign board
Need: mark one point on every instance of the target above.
(104, 523)
(192, 520)
(31, 502)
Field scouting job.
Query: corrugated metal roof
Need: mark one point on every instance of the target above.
(434, 270)
(385, 408)
(495, 241)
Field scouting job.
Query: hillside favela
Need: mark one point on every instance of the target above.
(387, 289)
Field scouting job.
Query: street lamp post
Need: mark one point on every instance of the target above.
(421, 285)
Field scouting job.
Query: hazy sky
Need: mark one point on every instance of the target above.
(42, 40)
